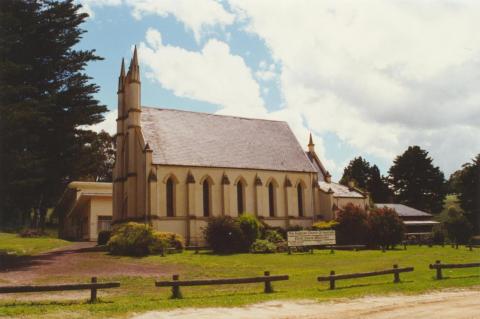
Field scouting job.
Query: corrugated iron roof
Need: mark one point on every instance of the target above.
(339, 190)
(403, 210)
(209, 140)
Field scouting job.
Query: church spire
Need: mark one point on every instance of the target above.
(121, 78)
(311, 146)
(135, 58)
(134, 69)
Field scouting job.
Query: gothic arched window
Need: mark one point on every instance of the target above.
(271, 199)
(300, 199)
(170, 197)
(206, 198)
(240, 197)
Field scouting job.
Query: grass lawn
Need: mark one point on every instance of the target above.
(138, 294)
(14, 244)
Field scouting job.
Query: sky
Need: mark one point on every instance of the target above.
(366, 78)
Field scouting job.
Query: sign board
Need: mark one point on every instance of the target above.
(311, 238)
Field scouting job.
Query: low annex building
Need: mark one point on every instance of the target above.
(417, 223)
(86, 208)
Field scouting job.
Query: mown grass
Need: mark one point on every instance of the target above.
(138, 295)
(11, 243)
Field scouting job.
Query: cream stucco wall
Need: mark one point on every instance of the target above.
(188, 197)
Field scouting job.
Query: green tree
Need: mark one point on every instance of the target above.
(45, 100)
(385, 227)
(459, 229)
(416, 181)
(377, 186)
(96, 157)
(368, 178)
(468, 187)
(352, 227)
(358, 170)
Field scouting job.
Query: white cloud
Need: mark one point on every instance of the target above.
(216, 76)
(89, 4)
(108, 125)
(212, 75)
(381, 75)
(196, 15)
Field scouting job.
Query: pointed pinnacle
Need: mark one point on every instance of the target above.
(135, 58)
(122, 68)
(310, 141)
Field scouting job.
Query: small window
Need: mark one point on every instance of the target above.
(206, 198)
(271, 199)
(240, 198)
(170, 198)
(300, 200)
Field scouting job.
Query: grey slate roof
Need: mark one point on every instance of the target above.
(201, 139)
(339, 190)
(404, 211)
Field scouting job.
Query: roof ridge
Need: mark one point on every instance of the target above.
(213, 114)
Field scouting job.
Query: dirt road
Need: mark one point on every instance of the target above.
(455, 304)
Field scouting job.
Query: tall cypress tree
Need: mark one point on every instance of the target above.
(416, 181)
(45, 97)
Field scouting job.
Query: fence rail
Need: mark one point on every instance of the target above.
(439, 266)
(395, 271)
(93, 287)
(176, 283)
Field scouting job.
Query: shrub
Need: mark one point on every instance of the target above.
(273, 236)
(103, 237)
(323, 225)
(160, 243)
(131, 239)
(261, 246)
(352, 225)
(459, 229)
(172, 240)
(224, 235)
(386, 228)
(251, 229)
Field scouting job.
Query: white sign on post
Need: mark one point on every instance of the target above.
(311, 238)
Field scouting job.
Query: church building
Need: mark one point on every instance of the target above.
(175, 169)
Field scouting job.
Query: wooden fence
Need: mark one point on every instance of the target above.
(439, 266)
(176, 283)
(93, 287)
(395, 271)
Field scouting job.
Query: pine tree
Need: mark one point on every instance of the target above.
(358, 170)
(416, 182)
(45, 98)
(368, 178)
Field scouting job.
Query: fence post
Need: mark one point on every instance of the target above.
(93, 291)
(176, 294)
(268, 284)
(439, 269)
(332, 280)
(396, 274)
